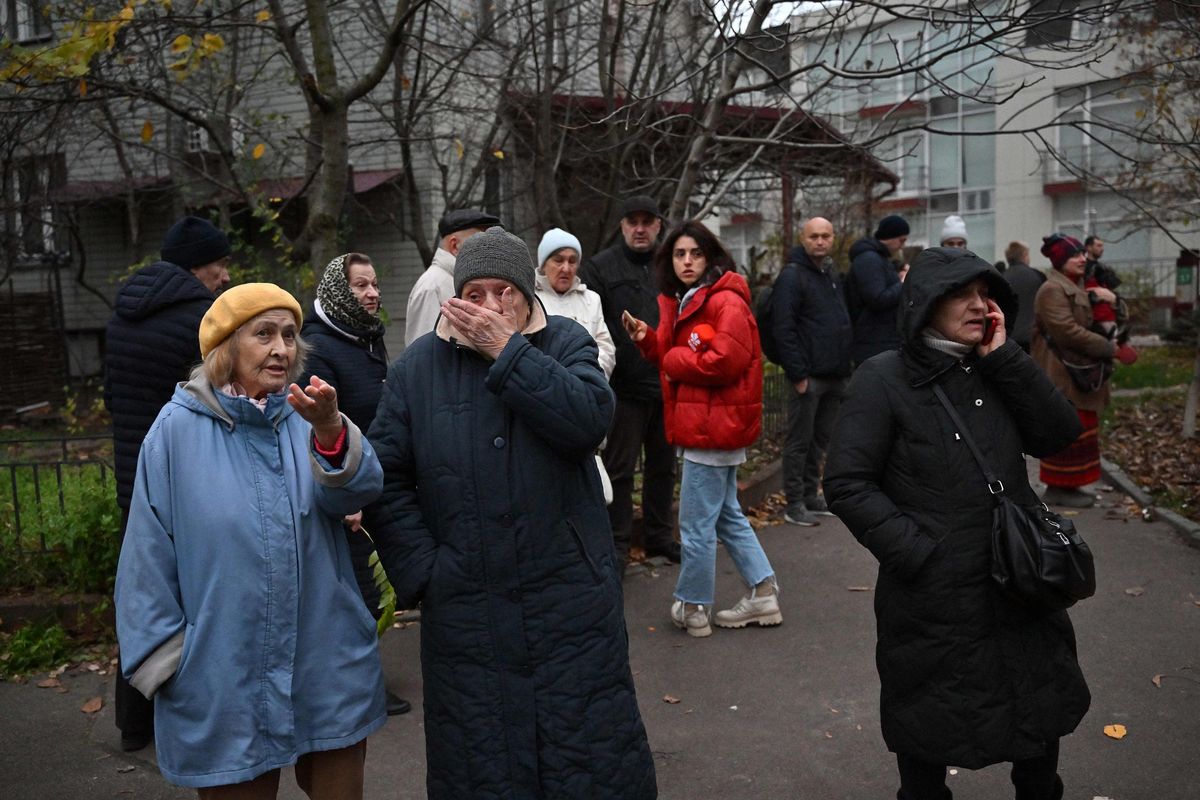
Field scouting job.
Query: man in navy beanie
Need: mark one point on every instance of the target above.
(873, 288)
(152, 343)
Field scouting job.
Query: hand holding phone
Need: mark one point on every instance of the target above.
(994, 333)
(633, 326)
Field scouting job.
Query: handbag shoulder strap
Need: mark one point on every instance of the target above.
(994, 484)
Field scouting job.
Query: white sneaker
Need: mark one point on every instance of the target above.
(694, 622)
(751, 608)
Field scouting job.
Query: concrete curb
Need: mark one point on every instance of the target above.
(1188, 530)
(757, 487)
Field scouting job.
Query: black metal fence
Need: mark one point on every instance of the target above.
(41, 475)
(776, 391)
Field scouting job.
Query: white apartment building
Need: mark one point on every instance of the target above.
(963, 137)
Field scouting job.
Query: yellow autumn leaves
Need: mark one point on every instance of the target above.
(193, 53)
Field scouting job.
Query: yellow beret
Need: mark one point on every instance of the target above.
(240, 304)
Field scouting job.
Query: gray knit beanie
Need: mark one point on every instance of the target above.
(495, 253)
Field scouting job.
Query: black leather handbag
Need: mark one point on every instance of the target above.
(1037, 555)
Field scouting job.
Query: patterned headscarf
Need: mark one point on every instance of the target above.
(339, 303)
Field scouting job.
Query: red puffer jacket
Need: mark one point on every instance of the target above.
(712, 386)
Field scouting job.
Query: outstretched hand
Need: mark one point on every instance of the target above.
(317, 403)
(996, 334)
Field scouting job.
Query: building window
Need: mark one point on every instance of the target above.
(1097, 131)
(1051, 22)
(26, 21)
(28, 211)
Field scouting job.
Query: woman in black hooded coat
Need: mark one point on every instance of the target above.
(968, 676)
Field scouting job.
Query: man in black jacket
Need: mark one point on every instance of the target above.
(623, 276)
(873, 288)
(152, 343)
(1025, 282)
(811, 327)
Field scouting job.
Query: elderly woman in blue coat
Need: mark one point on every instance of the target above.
(236, 603)
(492, 517)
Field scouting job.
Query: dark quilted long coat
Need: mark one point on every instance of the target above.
(152, 343)
(492, 517)
(968, 677)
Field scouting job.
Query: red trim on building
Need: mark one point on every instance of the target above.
(1062, 187)
(903, 107)
(899, 204)
(742, 219)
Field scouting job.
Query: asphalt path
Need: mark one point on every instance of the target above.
(790, 711)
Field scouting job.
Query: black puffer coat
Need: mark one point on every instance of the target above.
(872, 295)
(152, 343)
(492, 516)
(967, 676)
(353, 361)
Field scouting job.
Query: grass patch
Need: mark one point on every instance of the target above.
(1157, 367)
(69, 528)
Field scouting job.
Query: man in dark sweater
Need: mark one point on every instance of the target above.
(811, 328)
(873, 288)
(623, 276)
(152, 343)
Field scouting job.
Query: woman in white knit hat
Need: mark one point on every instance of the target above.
(563, 294)
(954, 232)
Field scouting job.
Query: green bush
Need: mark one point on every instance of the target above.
(34, 648)
(72, 547)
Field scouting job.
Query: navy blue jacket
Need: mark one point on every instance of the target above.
(153, 341)
(355, 364)
(493, 518)
(809, 320)
(872, 294)
(625, 282)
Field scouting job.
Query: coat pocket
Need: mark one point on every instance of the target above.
(586, 553)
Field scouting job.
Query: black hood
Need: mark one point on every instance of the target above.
(937, 272)
(152, 288)
(869, 244)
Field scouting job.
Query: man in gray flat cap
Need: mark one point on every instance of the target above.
(436, 284)
(623, 276)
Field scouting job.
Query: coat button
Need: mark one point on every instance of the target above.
(526, 669)
(498, 442)
(515, 595)
(507, 520)
(978, 401)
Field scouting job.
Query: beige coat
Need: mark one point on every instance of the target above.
(1062, 310)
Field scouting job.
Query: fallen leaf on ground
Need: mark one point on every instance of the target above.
(1157, 681)
(127, 768)
(652, 629)
(49, 683)
(828, 735)
(1114, 731)
(1135, 591)
(93, 705)
(670, 698)
(858, 588)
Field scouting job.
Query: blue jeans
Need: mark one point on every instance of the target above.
(708, 510)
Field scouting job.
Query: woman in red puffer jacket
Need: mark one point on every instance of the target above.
(710, 361)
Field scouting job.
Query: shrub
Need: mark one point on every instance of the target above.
(34, 648)
(81, 538)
